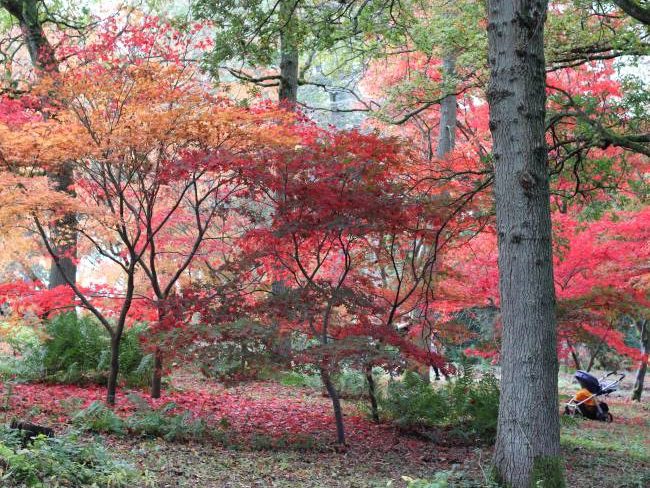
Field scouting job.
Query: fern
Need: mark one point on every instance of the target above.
(467, 406)
(77, 351)
(97, 417)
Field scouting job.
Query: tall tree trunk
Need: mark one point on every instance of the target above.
(288, 95)
(63, 232)
(288, 92)
(635, 9)
(527, 447)
(448, 109)
(336, 404)
(43, 59)
(644, 330)
(26, 14)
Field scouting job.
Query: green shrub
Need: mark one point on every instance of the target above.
(61, 461)
(73, 346)
(77, 350)
(440, 480)
(465, 405)
(350, 383)
(27, 362)
(305, 380)
(412, 402)
(483, 407)
(145, 421)
(242, 350)
(162, 422)
(97, 417)
(136, 367)
(474, 404)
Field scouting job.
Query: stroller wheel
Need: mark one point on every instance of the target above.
(609, 418)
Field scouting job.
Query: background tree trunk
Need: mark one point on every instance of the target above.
(372, 393)
(287, 94)
(574, 355)
(63, 233)
(288, 91)
(448, 110)
(528, 437)
(637, 391)
(43, 59)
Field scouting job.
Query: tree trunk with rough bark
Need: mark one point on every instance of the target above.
(288, 91)
(63, 232)
(448, 110)
(644, 331)
(527, 448)
(287, 95)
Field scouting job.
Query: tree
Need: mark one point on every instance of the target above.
(635, 10)
(354, 225)
(528, 437)
(252, 31)
(156, 157)
(327, 201)
(29, 17)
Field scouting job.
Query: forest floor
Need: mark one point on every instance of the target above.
(282, 436)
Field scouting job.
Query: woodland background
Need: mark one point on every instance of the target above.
(256, 243)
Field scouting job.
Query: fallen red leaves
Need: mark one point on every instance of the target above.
(257, 408)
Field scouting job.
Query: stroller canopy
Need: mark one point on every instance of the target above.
(588, 381)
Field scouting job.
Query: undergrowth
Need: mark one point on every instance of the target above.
(146, 421)
(75, 350)
(467, 406)
(61, 461)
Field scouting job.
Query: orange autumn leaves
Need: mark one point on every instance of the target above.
(127, 116)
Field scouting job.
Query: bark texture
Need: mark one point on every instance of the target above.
(635, 10)
(644, 331)
(288, 92)
(63, 232)
(372, 393)
(448, 110)
(528, 427)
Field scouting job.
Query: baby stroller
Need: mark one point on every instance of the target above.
(586, 402)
